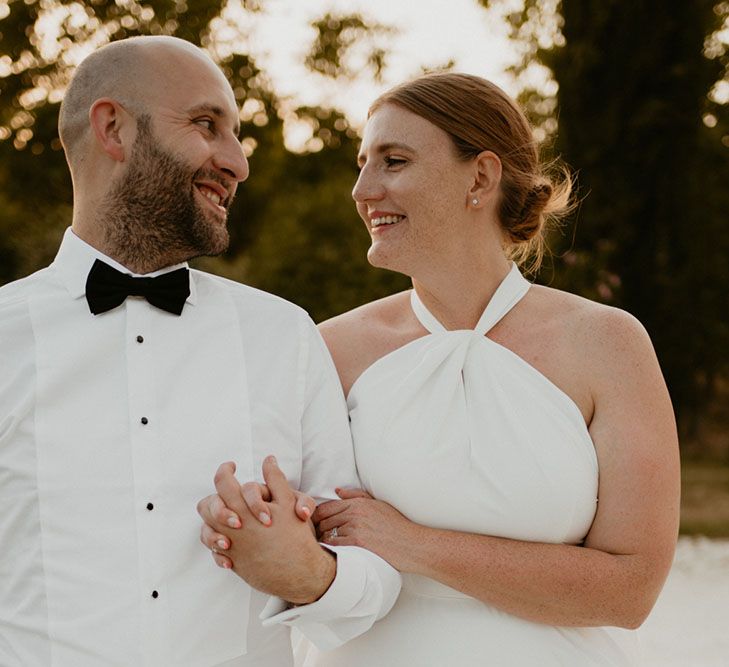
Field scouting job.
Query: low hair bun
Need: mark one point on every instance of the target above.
(543, 203)
(531, 220)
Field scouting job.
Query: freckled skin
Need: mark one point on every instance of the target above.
(599, 356)
(401, 179)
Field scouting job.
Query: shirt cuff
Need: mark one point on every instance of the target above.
(364, 589)
(341, 596)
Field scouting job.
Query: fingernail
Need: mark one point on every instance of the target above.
(226, 565)
(306, 511)
(222, 544)
(233, 522)
(272, 459)
(265, 519)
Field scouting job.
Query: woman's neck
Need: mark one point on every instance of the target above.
(458, 294)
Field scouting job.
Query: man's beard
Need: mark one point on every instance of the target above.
(150, 215)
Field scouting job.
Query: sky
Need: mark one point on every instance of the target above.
(429, 34)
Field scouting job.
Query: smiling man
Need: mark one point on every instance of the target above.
(128, 378)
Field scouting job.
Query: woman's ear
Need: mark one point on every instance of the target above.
(487, 178)
(106, 118)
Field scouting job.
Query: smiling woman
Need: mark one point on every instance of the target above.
(490, 415)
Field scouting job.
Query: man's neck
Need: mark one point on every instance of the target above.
(132, 256)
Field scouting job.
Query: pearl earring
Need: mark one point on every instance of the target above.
(474, 201)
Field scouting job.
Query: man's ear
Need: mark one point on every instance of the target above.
(106, 117)
(487, 178)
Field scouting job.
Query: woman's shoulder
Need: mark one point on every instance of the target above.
(605, 335)
(359, 337)
(375, 317)
(586, 316)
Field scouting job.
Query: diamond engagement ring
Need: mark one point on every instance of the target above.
(333, 533)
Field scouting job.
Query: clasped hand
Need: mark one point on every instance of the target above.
(263, 533)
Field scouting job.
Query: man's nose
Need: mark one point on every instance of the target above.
(231, 160)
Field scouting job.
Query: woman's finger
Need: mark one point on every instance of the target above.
(255, 496)
(228, 488)
(213, 540)
(337, 521)
(222, 561)
(216, 543)
(347, 494)
(329, 508)
(213, 511)
(276, 481)
(305, 505)
(339, 540)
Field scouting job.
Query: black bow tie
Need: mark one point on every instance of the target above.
(107, 288)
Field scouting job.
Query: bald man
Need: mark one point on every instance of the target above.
(128, 378)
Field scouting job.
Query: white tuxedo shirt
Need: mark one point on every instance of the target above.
(111, 428)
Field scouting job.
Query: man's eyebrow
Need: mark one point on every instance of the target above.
(216, 111)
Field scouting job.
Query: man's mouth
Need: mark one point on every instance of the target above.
(214, 196)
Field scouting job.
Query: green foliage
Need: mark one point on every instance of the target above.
(36, 185)
(633, 90)
(650, 234)
(336, 37)
(294, 229)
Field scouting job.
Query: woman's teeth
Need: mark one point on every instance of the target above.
(386, 220)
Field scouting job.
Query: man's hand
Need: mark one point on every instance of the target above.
(256, 496)
(281, 556)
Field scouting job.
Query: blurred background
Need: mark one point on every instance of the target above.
(632, 95)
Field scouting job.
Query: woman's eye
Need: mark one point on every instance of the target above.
(394, 161)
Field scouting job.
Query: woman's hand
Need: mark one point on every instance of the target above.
(213, 509)
(359, 520)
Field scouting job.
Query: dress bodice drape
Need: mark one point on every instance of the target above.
(458, 432)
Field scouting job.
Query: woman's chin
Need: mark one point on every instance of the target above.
(381, 259)
(388, 263)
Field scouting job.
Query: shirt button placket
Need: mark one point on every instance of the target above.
(142, 373)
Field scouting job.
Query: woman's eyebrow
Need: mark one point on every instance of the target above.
(384, 148)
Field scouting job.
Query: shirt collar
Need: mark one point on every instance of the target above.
(75, 258)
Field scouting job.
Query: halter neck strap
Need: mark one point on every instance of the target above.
(512, 288)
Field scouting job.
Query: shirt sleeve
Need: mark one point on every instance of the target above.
(365, 586)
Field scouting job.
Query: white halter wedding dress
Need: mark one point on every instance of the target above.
(458, 432)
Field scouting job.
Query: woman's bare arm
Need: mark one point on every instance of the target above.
(615, 577)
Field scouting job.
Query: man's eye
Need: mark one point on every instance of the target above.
(394, 161)
(207, 123)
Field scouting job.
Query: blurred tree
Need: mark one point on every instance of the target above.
(294, 230)
(336, 38)
(643, 118)
(41, 44)
(308, 243)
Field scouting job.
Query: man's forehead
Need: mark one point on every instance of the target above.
(193, 84)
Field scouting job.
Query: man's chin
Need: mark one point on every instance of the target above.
(218, 242)
(214, 236)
